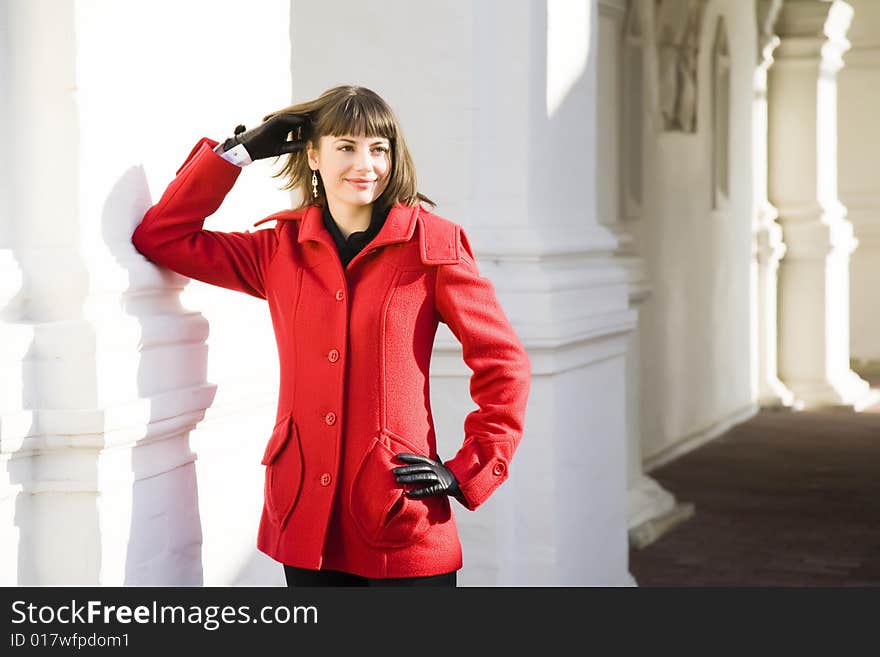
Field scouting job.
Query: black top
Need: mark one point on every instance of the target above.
(349, 248)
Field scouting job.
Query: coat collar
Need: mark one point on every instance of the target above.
(399, 226)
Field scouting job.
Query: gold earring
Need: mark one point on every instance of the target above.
(314, 185)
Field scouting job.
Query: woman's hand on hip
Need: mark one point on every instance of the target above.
(438, 478)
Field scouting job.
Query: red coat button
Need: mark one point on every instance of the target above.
(325, 479)
(340, 295)
(498, 469)
(330, 418)
(333, 356)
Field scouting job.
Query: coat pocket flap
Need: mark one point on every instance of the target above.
(278, 439)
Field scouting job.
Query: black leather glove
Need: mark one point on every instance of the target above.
(270, 137)
(439, 478)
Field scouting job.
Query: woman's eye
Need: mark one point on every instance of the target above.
(381, 149)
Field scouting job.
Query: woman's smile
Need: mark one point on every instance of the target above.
(360, 183)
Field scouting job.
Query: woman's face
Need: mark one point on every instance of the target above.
(354, 170)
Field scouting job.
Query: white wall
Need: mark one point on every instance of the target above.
(108, 99)
(695, 326)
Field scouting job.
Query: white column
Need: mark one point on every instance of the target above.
(859, 101)
(569, 291)
(814, 275)
(500, 114)
(767, 244)
(39, 263)
(15, 340)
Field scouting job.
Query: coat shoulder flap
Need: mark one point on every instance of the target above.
(439, 240)
(283, 215)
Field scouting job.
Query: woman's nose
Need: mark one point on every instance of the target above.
(363, 161)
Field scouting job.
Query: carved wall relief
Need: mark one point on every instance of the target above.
(720, 116)
(633, 103)
(677, 26)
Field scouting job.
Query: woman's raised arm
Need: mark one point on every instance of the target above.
(171, 233)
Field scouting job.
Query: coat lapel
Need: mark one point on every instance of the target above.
(399, 226)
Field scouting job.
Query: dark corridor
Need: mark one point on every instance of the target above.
(785, 499)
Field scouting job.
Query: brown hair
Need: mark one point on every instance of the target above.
(356, 111)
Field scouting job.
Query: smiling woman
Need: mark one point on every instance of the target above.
(354, 172)
(357, 277)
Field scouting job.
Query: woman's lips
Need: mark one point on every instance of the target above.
(360, 184)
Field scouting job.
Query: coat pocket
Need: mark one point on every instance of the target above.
(380, 509)
(284, 466)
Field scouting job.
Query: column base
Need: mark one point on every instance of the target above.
(649, 531)
(651, 511)
(848, 390)
(775, 394)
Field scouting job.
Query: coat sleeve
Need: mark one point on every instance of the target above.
(171, 234)
(499, 385)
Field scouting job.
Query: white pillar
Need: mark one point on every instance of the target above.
(767, 244)
(15, 340)
(569, 290)
(859, 90)
(814, 275)
(500, 114)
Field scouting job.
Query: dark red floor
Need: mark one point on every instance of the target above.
(785, 499)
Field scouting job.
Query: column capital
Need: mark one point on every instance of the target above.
(767, 243)
(767, 13)
(814, 30)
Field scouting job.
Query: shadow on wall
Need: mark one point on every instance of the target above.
(164, 538)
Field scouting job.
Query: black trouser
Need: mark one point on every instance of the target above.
(304, 577)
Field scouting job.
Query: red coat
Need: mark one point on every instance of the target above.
(355, 348)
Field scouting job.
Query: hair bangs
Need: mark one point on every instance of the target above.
(358, 115)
